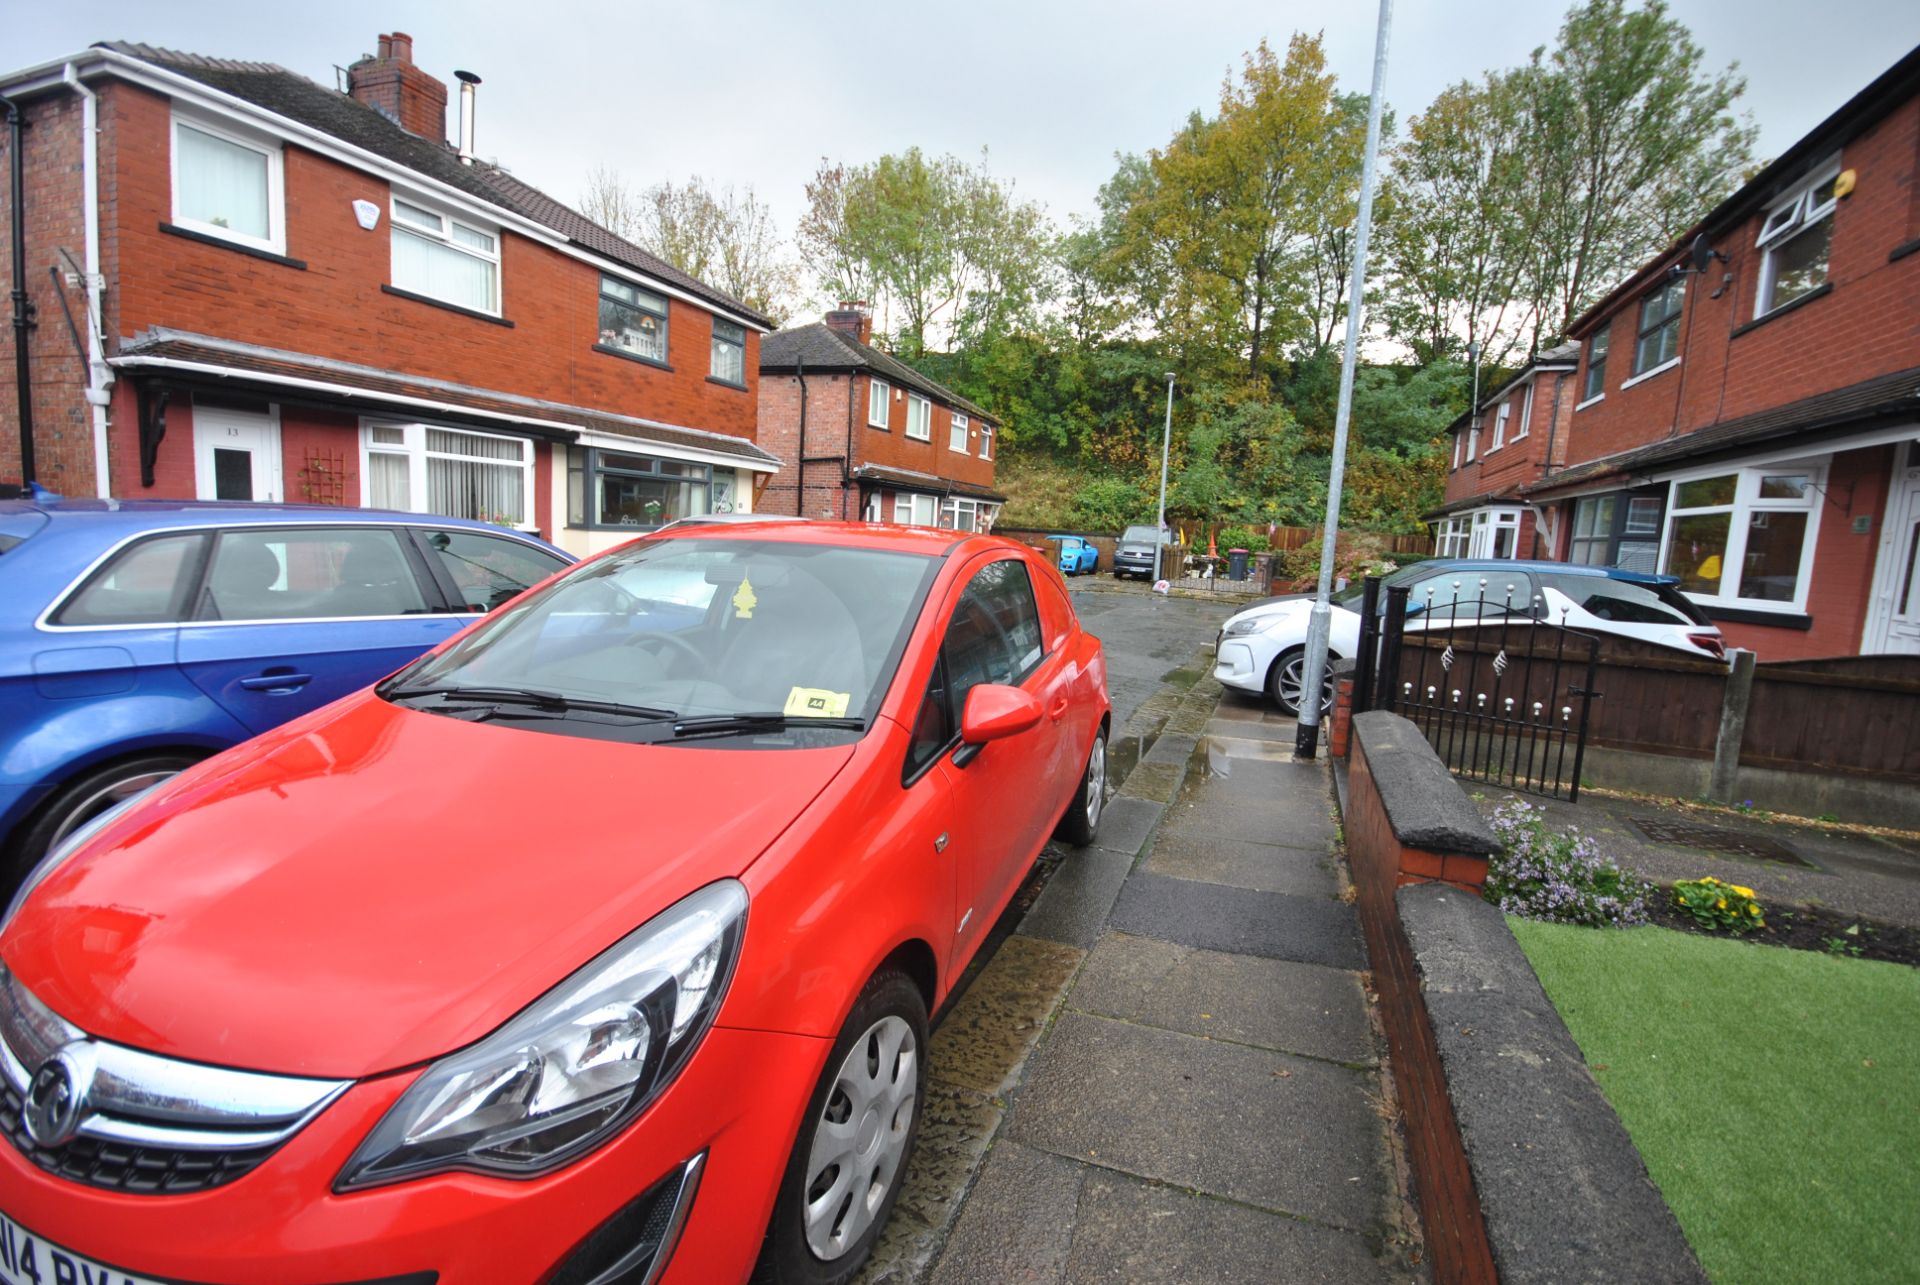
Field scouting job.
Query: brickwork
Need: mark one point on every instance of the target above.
(779, 432)
(1522, 457)
(892, 447)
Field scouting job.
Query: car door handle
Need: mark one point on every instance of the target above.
(1058, 710)
(276, 682)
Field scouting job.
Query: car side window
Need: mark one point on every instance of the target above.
(1622, 601)
(145, 583)
(488, 570)
(301, 573)
(993, 637)
(1459, 594)
(933, 726)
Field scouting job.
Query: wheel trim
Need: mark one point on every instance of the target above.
(1096, 797)
(860, 1137)
(108, 795)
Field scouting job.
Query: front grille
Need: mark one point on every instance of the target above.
(120, 1166)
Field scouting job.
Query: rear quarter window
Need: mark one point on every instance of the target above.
(145, 583)
(1628, 603)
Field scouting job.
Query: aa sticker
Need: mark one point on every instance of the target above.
(744, 600)
(816, 702)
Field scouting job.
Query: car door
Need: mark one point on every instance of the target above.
(1004, 794)
(289, 618)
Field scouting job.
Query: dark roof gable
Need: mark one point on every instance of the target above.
(287, 93)
(820, 347)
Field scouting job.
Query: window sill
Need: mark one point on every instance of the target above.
(879, 428)
(1645, 375)
(624, 355)
(240, 247)
(927, 438)
(1788, 619)
(432, 302)
(1900, 252)
(1594, 400)
(726, 383)
(1820, 291)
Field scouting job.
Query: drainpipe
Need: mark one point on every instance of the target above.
(800, 460)
(99, 375)
(846, 461)
(1553, 430)
(22, 304)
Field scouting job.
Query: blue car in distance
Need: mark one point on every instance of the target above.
(1076, 553)
(137, 637)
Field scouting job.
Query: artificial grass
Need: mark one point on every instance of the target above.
(1774, 1094)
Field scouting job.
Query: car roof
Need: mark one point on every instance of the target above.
(148, 515)
(1536, 565)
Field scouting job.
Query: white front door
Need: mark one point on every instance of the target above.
(1893, 620)
(236, 454)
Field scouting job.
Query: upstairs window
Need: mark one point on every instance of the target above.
(878, 398)
(1473, 441)
(957, 434)
(445, 259)
(1526, 413)
(729, 353)
(227, 186)
(919, 418)
(1500, 425)
(1596, 384)
(1659, 341)
(986, 440)
(633, 322)
(1795, 241)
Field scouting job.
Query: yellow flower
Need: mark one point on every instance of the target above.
(1744, 892)
(1720, 904)
(1753, 910)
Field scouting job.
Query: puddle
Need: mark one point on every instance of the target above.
(1123, 755)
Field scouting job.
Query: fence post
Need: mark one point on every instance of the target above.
(1385, 694)
(1364, 661)
(1733, 725)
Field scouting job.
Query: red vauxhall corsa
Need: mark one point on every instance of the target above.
(598, 945)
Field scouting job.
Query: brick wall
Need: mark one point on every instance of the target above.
(892, 447)
(779, 432)
(1520, 459)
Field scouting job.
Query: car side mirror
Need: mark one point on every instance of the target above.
(993, 713)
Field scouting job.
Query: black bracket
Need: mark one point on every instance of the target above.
(153, 428)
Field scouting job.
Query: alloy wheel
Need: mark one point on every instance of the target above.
(109, 794)
(861, 1137)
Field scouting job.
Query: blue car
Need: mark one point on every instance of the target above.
(137, 637)
(1076, 554)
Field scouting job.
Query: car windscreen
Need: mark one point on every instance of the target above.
(685, 635)
(1630, 602)
(1138, 535)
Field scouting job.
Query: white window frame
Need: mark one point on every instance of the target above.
(919, 409)
(880, 395)
(1459, 440)
(398, 226)
(1599, 344)
(905, 502)
(1473, 440)
(1526, 412)
(275, 242)
(414, 447)
(1450, 537)
(1500, 424)
(1786, 219)
(957, 428)
(1745, 504)
(986, 441)
(1485, 531)
(952, 506)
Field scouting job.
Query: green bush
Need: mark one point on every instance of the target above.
(1110, 504)
(1240, 537)
(1558, 876)
(1725, 907)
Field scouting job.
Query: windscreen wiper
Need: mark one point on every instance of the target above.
(533, 698)
(768, 721)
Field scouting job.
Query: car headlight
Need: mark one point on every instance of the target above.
(1251, 625)
(577, 1064)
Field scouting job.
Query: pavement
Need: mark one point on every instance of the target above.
(1169, 1070)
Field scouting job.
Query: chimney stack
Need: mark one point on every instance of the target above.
(852, 318)
(467, 82)
(392, 85)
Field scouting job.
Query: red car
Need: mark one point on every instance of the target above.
(597, 945)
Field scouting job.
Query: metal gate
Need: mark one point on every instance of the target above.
(1502, 693)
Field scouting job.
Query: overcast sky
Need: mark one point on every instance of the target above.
(757, 91)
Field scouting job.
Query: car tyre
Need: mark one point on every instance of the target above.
(1081, 820)
(859, 1130)
(1284, 679)
(79, 801)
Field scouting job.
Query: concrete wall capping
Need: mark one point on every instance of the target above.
(1564, 1194)
(1425, 806)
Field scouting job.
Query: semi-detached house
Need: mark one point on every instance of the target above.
(1743, 412)
(242, 284)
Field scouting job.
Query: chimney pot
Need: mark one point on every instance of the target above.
(852, 318)
(402, 47)
(386, 47)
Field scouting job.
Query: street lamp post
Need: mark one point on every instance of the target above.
(1160, 520)
(1307, 732)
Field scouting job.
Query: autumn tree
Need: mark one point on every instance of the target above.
(726, 236)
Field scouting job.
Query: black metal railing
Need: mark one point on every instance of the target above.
(1503, 694)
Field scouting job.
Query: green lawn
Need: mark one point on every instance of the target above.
(1774, 1094)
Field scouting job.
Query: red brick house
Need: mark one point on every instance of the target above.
(1514, 436)
(242, 284)
(861, 435)
(1746, 406)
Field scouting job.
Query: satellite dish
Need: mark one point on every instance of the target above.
(1703, 254)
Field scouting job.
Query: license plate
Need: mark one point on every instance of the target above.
(25, 1259)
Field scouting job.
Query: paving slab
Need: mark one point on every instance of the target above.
(956, 1127)
(1284, 1133)
(1126, 824)
(1153, 780)
(1145, 1234)
(983, 1041)
(1171, 747)
(1263, 867)
(1019, 1221)
(1072, 909)
(1273, 1003)
(1312, 930)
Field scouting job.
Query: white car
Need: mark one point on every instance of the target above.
(1263, 649)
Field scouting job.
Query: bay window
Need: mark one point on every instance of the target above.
(227, 185)
(1592, 530)
(1795, 240)
(1616, 530)
(1744, 537)
(1495, 534)
(445, 259)
(919, 418)
(622, 490)
(729, 364)
(1450, 536)
(957, 514)
(633, 322)
(1659, 341)
(454, 472)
